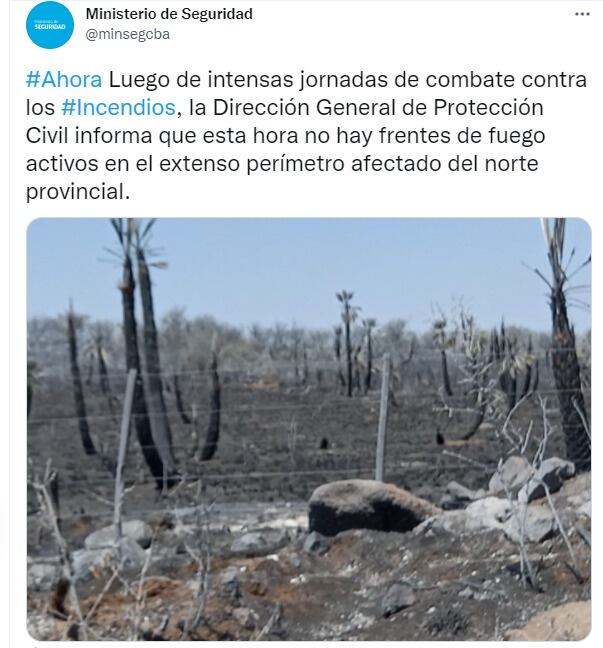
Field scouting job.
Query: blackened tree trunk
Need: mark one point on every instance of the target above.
(213, 429)
(103, 374)
(566, 370)
(445, 374)
(139, 404)
(348, 351)
(368, 377)
(30, 390)
(78, 389)
(357, 378)
(160, 427)
(564, 359)
(337, 349)
(186, 419)
(531, 368)
(29, 399)
(348, 316)
(306, 369)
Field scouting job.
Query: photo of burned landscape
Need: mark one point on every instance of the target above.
(309, 429)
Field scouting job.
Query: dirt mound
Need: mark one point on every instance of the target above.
(568, 622)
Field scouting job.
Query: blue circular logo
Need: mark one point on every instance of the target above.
(50, 25)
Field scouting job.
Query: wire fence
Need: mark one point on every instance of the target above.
(267, 366)
(278, 439)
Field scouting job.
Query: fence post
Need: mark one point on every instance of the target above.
(121, 457)
(379, 467)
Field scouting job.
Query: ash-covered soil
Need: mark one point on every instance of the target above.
(277, 445)
(277, 442)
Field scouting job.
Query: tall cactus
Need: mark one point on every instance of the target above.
(337, 349)
(78, 389)
(140, 415)
(564, 358)
(369, 325)
(213, 428)
(160, 427)
(349, 313)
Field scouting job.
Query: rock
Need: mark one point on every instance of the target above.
(365, 504)
(260, 543)
(134, 529)
(245, 617)
(585, 509)
(398, 597)
(539, 524)
(41, 576)
(87, 563)
(230, 583)
(458, 496)
(463, 493)
(551, 472)
(294, 560)
(567, 622)
(454, 522)
(481, 515)
(452, 503)
(514, 473)
(488, 513)
(467, 592)
(316, 544)
(565, 469)
(257, 584)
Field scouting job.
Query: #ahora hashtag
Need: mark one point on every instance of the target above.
(68, 106)
(33, 79)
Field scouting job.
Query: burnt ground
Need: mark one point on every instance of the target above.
(467, 588)
(270, 458)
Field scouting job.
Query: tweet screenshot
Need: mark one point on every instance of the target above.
(301, 320)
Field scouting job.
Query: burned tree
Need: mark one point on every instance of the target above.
(306, 368)
(349, 313)
(140, 415)
(213, 429)
(31, 371)
(564, 358)
(510, 364)
(495, 377)
(186, 419)
(442, 341)
(103, 373)
(356, 361)
(296, 336)
(369, 325)
(337, 349)
(76, 380)
(160, 427)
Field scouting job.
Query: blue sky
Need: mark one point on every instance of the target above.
(244, 271)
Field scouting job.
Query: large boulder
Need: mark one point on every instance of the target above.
(482, 515)
(488, 513)
(366, 504)
(511, 476)
(536, 522)
(551, 472)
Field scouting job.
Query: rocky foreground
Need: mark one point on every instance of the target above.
(367, 561)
